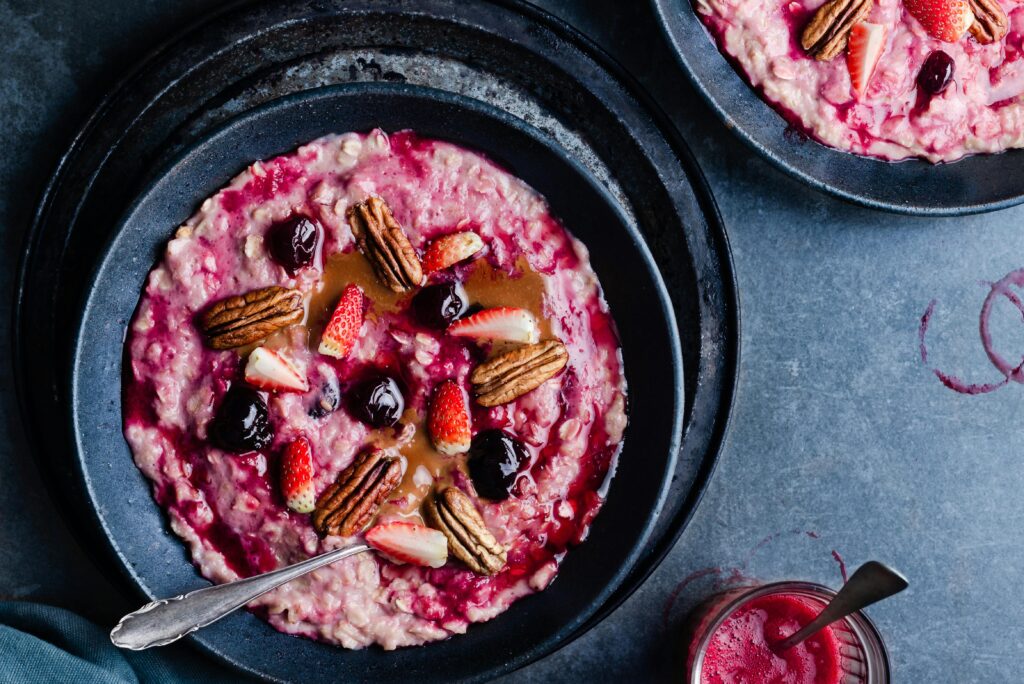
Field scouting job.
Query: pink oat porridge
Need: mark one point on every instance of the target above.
(937, 79)
(378, 337)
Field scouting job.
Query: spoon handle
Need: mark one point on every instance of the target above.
(166, 620)
(871, 583)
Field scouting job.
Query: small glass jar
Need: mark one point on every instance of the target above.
(862, 655)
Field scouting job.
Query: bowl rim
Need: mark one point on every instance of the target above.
(584, 620)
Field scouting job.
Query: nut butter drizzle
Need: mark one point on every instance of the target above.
(485, 285)
(339, 271)
(493, 287)
(417, 452)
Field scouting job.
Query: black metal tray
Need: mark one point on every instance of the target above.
(507, 54)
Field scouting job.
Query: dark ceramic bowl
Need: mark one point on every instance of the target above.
(156, 561)
(971, 185)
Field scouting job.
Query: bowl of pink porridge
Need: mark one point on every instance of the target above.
(388, 313)
(865, 100)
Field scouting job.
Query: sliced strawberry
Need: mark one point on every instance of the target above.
(270, 370)
(449, 250)
(946, 20)
(865, 47)
(501, 323)
(449, 424)
(407, 542)
(343, 329)
(297, 477)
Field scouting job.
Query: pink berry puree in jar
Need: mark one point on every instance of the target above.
(736, 631)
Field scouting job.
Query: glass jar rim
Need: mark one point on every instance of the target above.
(861, 625)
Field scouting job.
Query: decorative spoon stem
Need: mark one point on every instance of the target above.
(166, 620)
(871, 583)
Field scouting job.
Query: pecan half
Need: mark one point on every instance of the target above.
(382, 241)
(826, 34)
(248, 318)
(990, 22)
(348, 505)
(452, 512)
(510, 375)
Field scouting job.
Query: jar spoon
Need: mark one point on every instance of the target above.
(871, 583)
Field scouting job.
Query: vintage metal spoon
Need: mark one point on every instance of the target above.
(167, 620)
(871, 583)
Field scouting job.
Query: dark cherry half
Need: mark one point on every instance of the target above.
(242, 423)
(378, 401)
(438, 306)
(292, 242)
(495, 458)
(936, 73)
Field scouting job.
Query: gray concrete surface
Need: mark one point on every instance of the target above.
(842, 440)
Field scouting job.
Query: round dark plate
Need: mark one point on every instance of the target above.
(971, 185)
(505, 53)
(632, 286)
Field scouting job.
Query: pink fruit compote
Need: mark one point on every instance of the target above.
(898, 112)
(742, 649)
(229, 507)
(734, 638)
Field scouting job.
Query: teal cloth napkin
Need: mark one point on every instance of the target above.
(47, 645)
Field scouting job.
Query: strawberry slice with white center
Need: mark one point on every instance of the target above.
(407, 542)
(449, 250)
(270, 370)
(501, 323)
(946, 20)
(343, 329)
(449, 422)
(297, 477)
(865, 47)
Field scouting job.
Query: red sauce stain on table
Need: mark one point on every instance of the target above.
(742, 649)
(842, 564)
(1004, 288)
